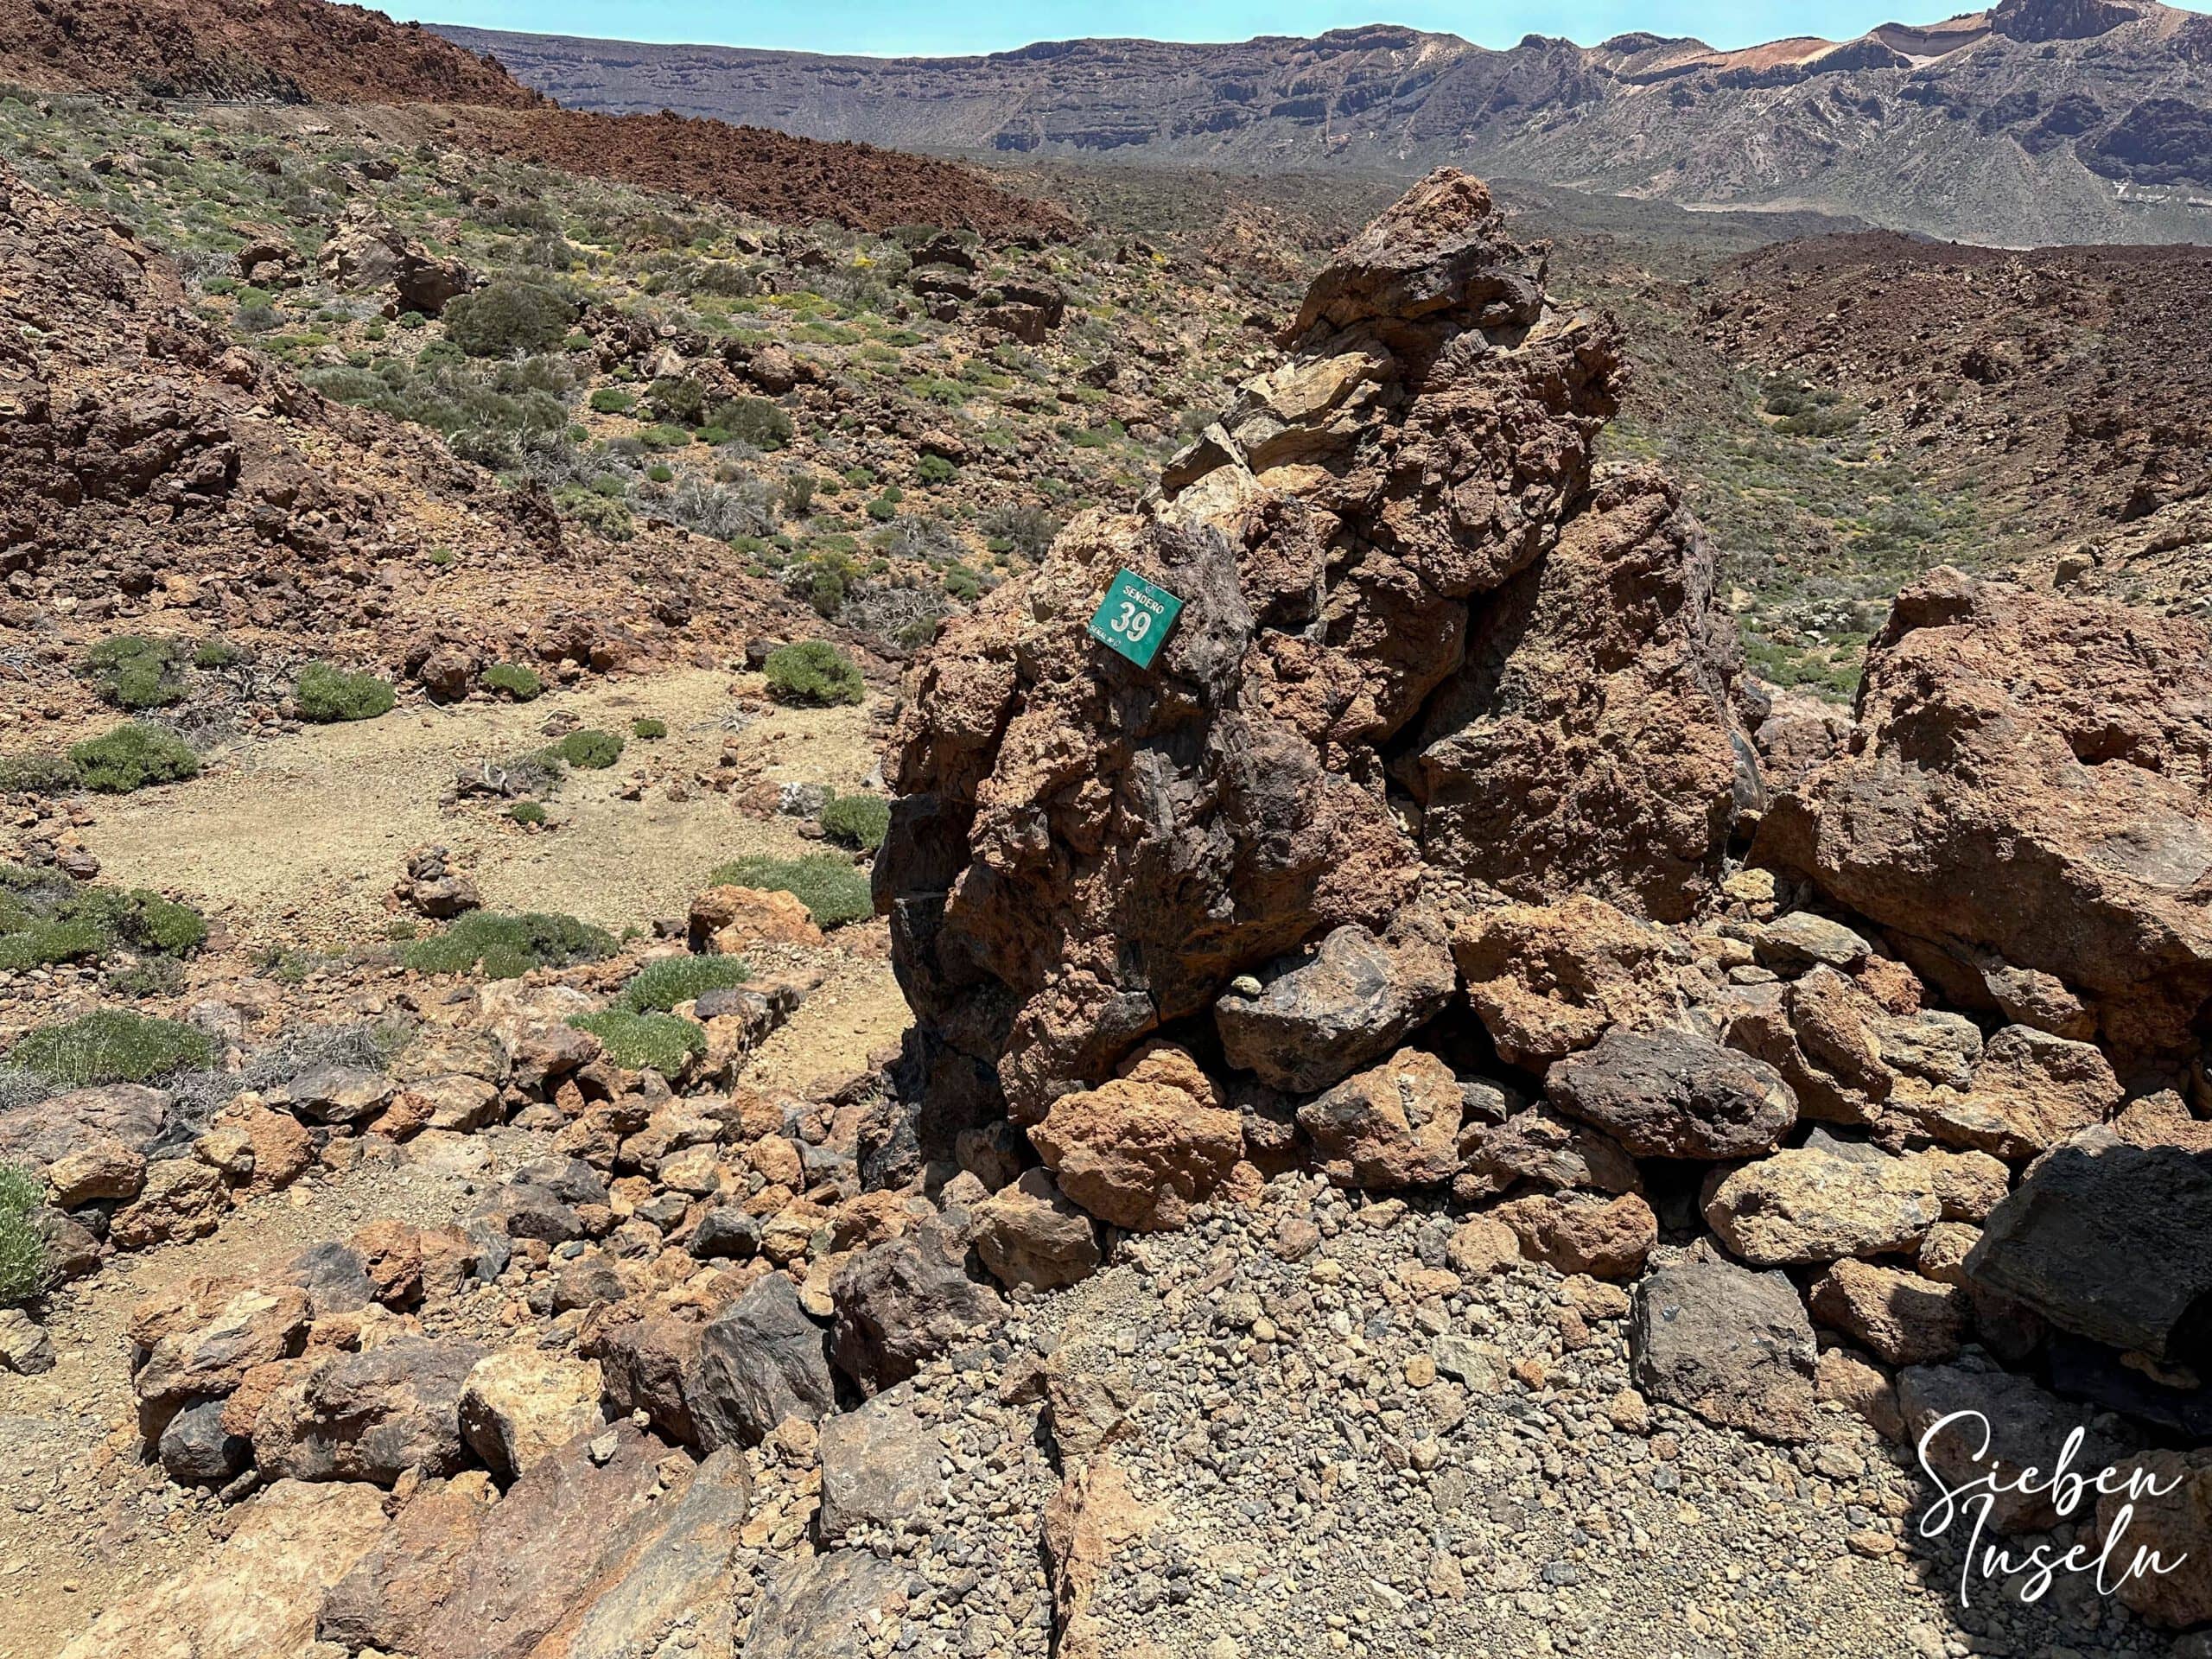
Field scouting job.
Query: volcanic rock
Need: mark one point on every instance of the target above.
(878, 1467)
(2110, 1242)
(1027, 1233)
(1905, 1319)
(1822, 1201)
(761, 1362)
(1316, 1020)
(201, 1344)
(1581, 1233)
(2028, 1091)
(2173, 1516)
(374, 1415)
(1543, 1147)
(518, 1405)
(902, 1302)
(254, 1597)
(1547, 980)
(2028, 781)
(1138, 1151)
(824, 1606)
(1083, 851)
(1397, 1125)
(46, 1131)
(1728, 1344)
(1670, 1094)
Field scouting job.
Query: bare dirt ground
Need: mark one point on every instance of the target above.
(297, 840)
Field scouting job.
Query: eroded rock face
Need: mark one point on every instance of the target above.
(1082, 852)
(2028, 783)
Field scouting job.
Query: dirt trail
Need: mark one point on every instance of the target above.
(297, 841)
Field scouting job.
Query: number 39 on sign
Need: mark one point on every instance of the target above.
(1134, 617)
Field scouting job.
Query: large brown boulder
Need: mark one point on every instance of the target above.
(2026, 791)
(1083, 852)
(1140, 1150)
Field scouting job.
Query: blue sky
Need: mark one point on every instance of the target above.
(901, 27)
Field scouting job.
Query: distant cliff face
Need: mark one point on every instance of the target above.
(2041, 121)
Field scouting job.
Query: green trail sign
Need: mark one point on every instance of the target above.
(1134, 617)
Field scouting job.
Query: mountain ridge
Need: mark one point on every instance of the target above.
(2033, 121)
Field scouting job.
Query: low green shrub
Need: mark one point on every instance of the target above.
(677, 399)
(506, 947)
(46, 918)
(935, 469)
(667, 981)
(111, 1045)
(590, 749)
(644, 1042)
(512, 680)
(217, 653)
(22, 1249)
(861, 821)
(131, 757)
(506, 319)
(814, 671)
(756, 421)
(328, 695)
(648, 729)
(613, 400)
(526, 812)
(134, 672)
(37, 774)
(833, 891)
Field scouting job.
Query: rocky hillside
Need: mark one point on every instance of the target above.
(150, 467)
(1434, 1113)
(2038, 121)
(302, 51)
(293, 50)
(2063, 389)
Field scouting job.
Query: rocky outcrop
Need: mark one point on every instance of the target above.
(1390, 552)
(365, 252)
(2026, 789)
